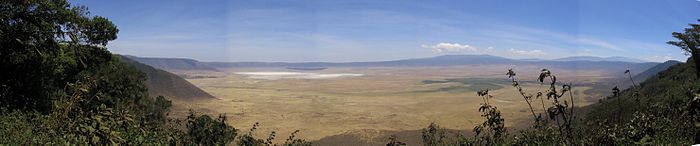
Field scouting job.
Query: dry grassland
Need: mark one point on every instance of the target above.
(394, 99)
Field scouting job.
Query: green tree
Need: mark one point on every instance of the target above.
(54, 61)
(45, 44)
(433, 135)
(689, 41)
(393, 141)
(203, 130)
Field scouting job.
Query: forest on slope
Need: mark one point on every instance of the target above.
(61, 86)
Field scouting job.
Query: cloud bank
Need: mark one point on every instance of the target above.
(527, 52)
(450, 48)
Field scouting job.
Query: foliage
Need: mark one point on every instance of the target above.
(560, 131)
(45, 44)
(249, 140)
(492, 131)
(689, 41)
(660, 110)
(68, 123)
(393, 141)
(292, 140)
(204, 130)
(57, 70)
(61, 86)
(433, 135)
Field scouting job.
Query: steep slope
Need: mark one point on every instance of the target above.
(593, 58)
(163, 83)
(662, 86)
(654, 70)
(173, 63)
(660, 110)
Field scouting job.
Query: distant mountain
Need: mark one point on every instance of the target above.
(531, 59)
(173, 63)
(163, 83)
(453, 60)
(579, 62)
(610, 65)
(654, 70)
(593, 58)
(446, 60)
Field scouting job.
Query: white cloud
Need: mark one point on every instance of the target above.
(527, 52)
(489, 49)
(451, 48)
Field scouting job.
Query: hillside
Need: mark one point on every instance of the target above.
(173, 63)
(660, 110)
(640, 77)
(163, 83)
(668, 85)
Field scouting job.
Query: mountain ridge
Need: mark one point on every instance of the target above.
(443, 60)
(640, 77)
(172, 63)
(594, 58)
(163, 83)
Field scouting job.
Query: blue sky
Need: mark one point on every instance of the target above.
(372, 30)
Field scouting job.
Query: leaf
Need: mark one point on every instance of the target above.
(95, 139)
(510, 73)
(90, 129)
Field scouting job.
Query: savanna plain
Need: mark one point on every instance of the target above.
(371, 102)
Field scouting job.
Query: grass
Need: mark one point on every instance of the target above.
(466, 84)
(388, 99)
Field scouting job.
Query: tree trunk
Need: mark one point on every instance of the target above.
(696, 59)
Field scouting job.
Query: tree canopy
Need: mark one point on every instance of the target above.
(689, 41)
(45, 44)
(60, 85)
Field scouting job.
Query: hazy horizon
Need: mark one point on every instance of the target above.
(358, 31)
(626, 59)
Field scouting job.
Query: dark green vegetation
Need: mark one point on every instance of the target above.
(60, 85)
(661, 110)
(689, 41)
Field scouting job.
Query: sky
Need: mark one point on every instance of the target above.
(376, 30)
